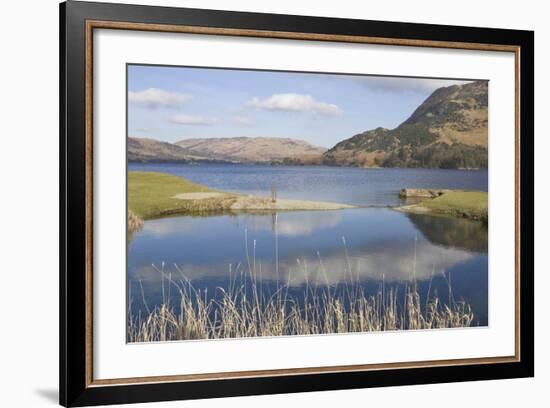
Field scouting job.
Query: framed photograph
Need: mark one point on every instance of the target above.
(256, 204)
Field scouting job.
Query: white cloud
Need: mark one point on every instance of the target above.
(403, 84)
(366, 264)
(192, 120)
(157, 98)
(293, 102)
(144, 129)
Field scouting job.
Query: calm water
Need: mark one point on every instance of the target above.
(370, 245)
(372, 187)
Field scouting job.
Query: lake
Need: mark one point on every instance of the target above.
(375, 247)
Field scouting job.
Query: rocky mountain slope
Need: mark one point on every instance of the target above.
(448, 130)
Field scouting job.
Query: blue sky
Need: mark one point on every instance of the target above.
(175, 103)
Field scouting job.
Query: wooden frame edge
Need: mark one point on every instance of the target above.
(89, 206)
(232, 375)
(517, 197)
(290, 35)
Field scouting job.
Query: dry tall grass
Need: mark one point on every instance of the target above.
(134, 222)
(244, 310)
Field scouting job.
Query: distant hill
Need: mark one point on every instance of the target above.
(231, 149)
(150, 150)
(253, 149)
(448, 130)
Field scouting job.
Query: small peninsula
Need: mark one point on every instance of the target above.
(154, 195)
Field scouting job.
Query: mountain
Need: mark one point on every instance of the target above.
(253, 149)
(448, 130)
(231, 149)
(150, 150)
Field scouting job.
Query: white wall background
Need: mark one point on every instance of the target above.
(29, 201)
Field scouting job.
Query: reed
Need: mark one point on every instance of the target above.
(134, 222)
(244, 309)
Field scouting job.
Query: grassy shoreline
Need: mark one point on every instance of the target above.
(151, 195)
(154, 195)
(467, 204)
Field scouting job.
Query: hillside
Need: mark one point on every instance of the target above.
(149, 150)
(253, 149)
(448, 130)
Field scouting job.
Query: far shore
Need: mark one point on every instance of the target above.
(293, 164)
